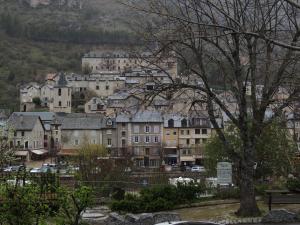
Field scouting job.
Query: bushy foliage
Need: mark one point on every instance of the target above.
(275, 148)
(22, 205)
(261, 188)
(228, 193)
(158, 198)
(72, 204)
(37, 101)
(293, 184)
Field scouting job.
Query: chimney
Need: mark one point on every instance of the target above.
(21, 118)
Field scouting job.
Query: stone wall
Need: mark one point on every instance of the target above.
(94, 217)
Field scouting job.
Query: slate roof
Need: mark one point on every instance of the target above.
(22, 122)
(62, 82)
(80, 121)
(45, 116)
(114, 54)
(141, 117)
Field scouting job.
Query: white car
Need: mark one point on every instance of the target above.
(35, 170)
(187, 223)
(198, 169)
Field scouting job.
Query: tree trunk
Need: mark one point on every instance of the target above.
(248, 204)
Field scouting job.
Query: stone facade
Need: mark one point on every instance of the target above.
(29, 134)
(140, 135)
(104, 62)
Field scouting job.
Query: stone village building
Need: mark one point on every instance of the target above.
(28, 138)
(139, 135)
(58, 96)
(121, 61)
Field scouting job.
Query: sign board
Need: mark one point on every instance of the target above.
(224, 173)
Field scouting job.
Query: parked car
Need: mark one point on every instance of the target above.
(187, 223)
(127, 170)
(188, 168)
(35, 170)
(14, 168)
(198, 169)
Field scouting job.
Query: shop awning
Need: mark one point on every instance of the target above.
(21, 153)
(187, 158)
(39, 152)
(171, 156)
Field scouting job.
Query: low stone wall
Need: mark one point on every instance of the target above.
(94, 218)
(280, 216)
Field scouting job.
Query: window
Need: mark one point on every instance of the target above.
(56, 132)
(147, 129)
(109, 122)
(139, 162)
(188, 132)
(97, 87)
(19, 143)
(184, 123)
(23, 133)
(154, 163)
(59, 91)
(59, 103)
(109, 141)
(171, 123)
(136, 139)
(76, 142)
(15, 133)
(204, 131)
(182, 132)
(155, 139)
(108, 131)
(123, 142)
(197, 141)
(107, 87)
(56, 140)
(123, 124)
(147, 151)
(136, 129)
(174, 132)
(137, 151)
(147, 139)
(197, 131)
(123, 133)
(187, 141)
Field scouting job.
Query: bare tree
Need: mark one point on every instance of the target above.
(237, 44)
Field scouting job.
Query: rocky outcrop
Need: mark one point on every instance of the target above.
(131, 219)
(280, 216)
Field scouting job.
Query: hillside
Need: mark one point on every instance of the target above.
(35, 41)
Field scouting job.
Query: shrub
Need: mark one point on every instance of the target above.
(118, 194)
(261, 188)
(189, 192)
(228, 193)
(166, 192)
(293, 184)
(130, 203)
(158, 198)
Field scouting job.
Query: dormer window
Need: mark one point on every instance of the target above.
(109, 122)
(171, 123)
(184, 123)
